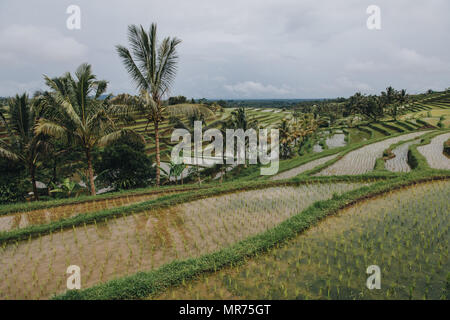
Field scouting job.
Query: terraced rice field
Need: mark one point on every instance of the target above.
(303, 168)
(363, 160)
(24, 219)
(36, 269)
(404, 232)
(431, 121)
(400, 162)
(336, 140)
(433, 152)
(317, 148)
(356, 135)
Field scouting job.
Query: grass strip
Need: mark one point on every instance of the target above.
(161, 203)
(36, 205)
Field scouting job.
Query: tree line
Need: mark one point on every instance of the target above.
(74, 116)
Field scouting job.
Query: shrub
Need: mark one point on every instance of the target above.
(125, 165)
(447, 147)
(13, 182)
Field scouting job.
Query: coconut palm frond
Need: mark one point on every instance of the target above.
(4, 153)
(168, 59)
(132, 68)
(101, 88)
(68, 109)
(47, 127)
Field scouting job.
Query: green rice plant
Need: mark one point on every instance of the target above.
(162, 236)
(357, 227)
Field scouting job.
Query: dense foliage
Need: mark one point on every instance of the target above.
(13, 183)
(125, 165)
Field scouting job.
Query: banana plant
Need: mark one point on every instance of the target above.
(175, 170)
(68, 188)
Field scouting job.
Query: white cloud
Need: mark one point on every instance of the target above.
(10, 88)
(287, 48)
(33, 44)
(409, 58)
(257, 89)
(346, 83)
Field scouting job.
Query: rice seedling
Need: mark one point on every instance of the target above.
(23, 219)
(147, 240)
(404, 232)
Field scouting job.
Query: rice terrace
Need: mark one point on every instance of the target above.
(93, 204)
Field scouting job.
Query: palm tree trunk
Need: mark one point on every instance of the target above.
(90, 172)
(222, 173)
(198, 175)
(158, 160)
(33, 182)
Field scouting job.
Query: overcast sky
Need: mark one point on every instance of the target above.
(236, 49)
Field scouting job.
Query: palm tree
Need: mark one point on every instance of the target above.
(196, 114)
(286, 138)
(304, 129)
(152, 66)
(23, 144)
(77, 115)
(240, 120)
(389, 98)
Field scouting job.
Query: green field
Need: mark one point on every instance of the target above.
(309, 232)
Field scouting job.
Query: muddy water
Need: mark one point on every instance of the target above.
(336, 140)
(433, 152)
(122, 246)
(405, 233)
(363, 160)
(42, 216)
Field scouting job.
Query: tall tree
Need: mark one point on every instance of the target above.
(304, 128)
(287, 138)
(77, 114)
(240, 120)
(390, 99)
(371, 107)
(152, 66)
(23, 144)
(197, 114)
